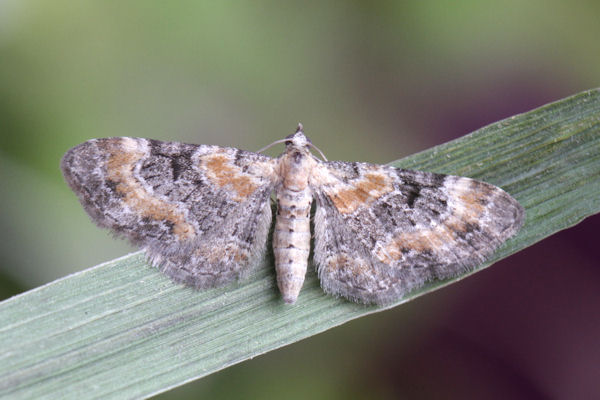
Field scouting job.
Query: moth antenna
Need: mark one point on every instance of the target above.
(320, 152)
(271, 145)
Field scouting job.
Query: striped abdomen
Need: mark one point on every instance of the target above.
(291, 240)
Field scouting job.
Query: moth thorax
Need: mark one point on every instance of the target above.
(291, 240)
(296, 168)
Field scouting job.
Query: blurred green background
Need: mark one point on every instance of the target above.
(370, 81)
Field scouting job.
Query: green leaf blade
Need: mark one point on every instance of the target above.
(122, 330)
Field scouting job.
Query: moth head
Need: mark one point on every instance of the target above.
(298, 140)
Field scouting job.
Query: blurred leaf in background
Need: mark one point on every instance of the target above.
(371, 81)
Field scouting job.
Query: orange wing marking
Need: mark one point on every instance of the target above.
(119, 168)
(366, 190)
(466, 211)
(220, 171)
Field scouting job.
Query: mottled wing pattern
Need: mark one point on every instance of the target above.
(381, 231)
(201, 212)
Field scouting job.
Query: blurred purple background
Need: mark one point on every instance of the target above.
(370, 82)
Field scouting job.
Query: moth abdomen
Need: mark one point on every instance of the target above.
(291, 241)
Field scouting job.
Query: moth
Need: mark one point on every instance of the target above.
(203, 214)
